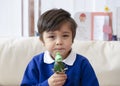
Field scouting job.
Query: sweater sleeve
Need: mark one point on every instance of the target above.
(88, 75)
(31, 76)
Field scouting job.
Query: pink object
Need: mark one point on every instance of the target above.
(107, 29)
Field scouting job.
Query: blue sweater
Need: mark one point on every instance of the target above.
(80, 73)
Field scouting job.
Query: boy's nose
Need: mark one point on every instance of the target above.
(59, 41)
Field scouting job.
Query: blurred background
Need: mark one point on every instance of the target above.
(18, 18)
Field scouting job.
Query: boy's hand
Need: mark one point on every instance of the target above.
(57, 79)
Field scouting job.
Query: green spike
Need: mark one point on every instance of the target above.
(59, 65)
(58, 57)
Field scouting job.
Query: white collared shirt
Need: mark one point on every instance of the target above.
(69, 60)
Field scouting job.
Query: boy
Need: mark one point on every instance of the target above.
(57, 32)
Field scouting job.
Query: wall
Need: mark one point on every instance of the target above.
(72, 5)
(10, 18)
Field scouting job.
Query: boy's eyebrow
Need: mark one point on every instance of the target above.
(66, 32)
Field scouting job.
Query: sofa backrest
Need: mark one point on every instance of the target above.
(15, 53)
(105, 59)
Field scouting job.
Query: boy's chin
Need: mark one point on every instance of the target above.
(62, 52)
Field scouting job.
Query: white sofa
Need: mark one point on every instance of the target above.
(15, 53)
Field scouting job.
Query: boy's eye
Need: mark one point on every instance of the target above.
(65, 35)
(51, 36)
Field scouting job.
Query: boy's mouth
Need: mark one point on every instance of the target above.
(59, 49)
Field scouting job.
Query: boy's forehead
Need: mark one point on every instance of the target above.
(64, 30)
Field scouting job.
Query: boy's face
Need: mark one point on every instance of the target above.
(58, 41)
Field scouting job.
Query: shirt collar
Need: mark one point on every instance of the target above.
(69, 60)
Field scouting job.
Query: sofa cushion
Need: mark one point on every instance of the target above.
(104, 57)
(15, 53)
